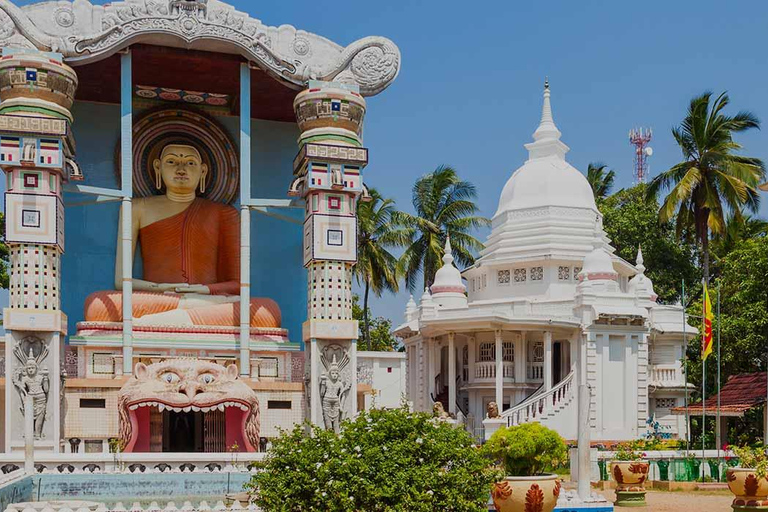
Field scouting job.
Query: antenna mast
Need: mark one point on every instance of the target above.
(640, 138)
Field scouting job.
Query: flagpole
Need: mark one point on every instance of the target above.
(704, 376)
(718, 426)
(685, 378)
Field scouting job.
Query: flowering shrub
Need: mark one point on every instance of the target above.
(390, 460)
(753, 457)
(629, 451)
(526, 450)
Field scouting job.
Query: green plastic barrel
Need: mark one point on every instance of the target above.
(663, 466)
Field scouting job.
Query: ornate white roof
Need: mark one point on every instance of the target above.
(546, 179)
(83, 32)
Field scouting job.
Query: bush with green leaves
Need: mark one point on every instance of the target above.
(384, 460)
(527, 450)
(753, 457)
(630, 451)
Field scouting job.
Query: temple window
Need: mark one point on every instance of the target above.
(576, 272)
(279, 404)
(564, 273)
(538, 352)
(537, 273)
(502, 277)
(93, 403)
(665, 403)
(520, 275)
(487, 352)
(268, 367)
(508, 351)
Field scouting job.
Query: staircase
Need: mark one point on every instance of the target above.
(555, 409)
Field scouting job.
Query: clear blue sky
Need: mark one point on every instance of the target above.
(469, 92)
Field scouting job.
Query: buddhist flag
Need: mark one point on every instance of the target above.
(706, 336)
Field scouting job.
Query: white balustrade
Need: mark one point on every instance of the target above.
(535, 371)
(541, 404)
(666, 375)
(486, 370)
(131, 462)
(154, 506)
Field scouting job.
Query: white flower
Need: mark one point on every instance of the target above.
(357, 448)
(419, 441)
(318, 464)
(430, 492)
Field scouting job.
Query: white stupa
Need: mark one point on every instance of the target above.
(547, 302)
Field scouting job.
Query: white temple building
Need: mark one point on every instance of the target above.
(548, 305)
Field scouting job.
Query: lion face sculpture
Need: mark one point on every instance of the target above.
(493, 410)
(188, 385)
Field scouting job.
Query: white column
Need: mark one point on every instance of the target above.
(547, 360)
(245, 220)
(353, 364)
(314, 392)
(521, 356)
(472, 353)
(574, 345)
(126, 216)
(499, 372)
(431, 373)
(451, 373)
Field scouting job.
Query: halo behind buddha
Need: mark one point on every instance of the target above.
(158, 128)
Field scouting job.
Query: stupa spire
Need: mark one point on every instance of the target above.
(547, 129)
(448, 251)
(546, 138)
(639, 260)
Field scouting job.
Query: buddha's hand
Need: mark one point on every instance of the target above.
(166, 287)
(194, 288)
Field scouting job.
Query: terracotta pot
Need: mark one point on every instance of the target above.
(750, 490)
(630, 475)
(526, 493)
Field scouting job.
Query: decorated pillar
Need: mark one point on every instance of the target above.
(328, 176)
(36, 150)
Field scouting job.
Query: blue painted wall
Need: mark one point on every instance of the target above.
(91, 231)
(141, 487)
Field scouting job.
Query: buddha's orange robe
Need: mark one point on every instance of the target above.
(200, 245)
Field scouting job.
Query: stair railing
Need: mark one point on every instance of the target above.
(539, 405)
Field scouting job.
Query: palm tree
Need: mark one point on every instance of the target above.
(444, 204)
(737, 228)
(377, 232)
(600, 179)
(712, 180)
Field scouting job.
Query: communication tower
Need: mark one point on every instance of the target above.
(640, 138)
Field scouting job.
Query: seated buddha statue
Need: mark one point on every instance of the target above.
(190, 250)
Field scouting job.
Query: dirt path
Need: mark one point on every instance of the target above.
(700, 501)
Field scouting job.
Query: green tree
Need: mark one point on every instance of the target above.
(379, 330)
(631, 222)
(743, 325)
(736, 230)
(377, 233)
(383, 460)
(3, 255)
(712, 180)
(444, 204)
(601, 180)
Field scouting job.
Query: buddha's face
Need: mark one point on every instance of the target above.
(180, 167)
